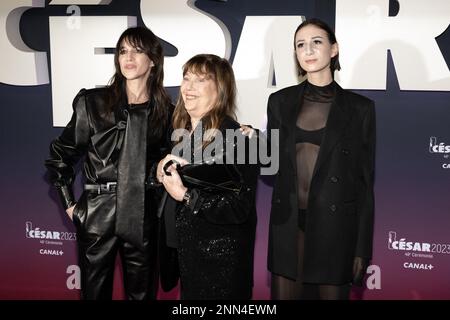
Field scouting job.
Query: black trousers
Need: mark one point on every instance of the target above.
(98, 247)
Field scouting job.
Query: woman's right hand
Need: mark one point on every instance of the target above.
(160, 169)
(173, 184)
(69, 212)
(359, 270)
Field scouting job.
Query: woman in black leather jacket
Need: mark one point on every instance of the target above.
(121, 130)
(213, 230)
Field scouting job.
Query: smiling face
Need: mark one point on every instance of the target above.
(135, 65)
(199, 93)
(314, 51)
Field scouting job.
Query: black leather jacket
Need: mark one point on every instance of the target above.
(97, 134)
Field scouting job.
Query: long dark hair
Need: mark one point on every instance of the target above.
(146, 40)
(334, 63)
(221, 72)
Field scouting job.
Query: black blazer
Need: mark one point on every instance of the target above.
(339, 222)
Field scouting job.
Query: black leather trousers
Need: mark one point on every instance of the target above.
(98, 247)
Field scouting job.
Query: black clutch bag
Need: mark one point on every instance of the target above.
(209, 176)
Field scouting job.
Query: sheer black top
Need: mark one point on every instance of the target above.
(311, 122)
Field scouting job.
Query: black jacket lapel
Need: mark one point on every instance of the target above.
(337, 121)
(290, 118)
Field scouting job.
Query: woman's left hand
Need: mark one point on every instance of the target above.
(247, 130)
(173, 184)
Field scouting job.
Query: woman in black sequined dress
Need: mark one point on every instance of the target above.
(214, 232)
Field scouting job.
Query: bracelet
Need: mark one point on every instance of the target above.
(187, 197)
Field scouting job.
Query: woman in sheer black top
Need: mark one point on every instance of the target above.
(321, 223)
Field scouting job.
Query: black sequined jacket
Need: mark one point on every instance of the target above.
(215, 235)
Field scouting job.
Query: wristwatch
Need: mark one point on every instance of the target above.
(187, 197)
